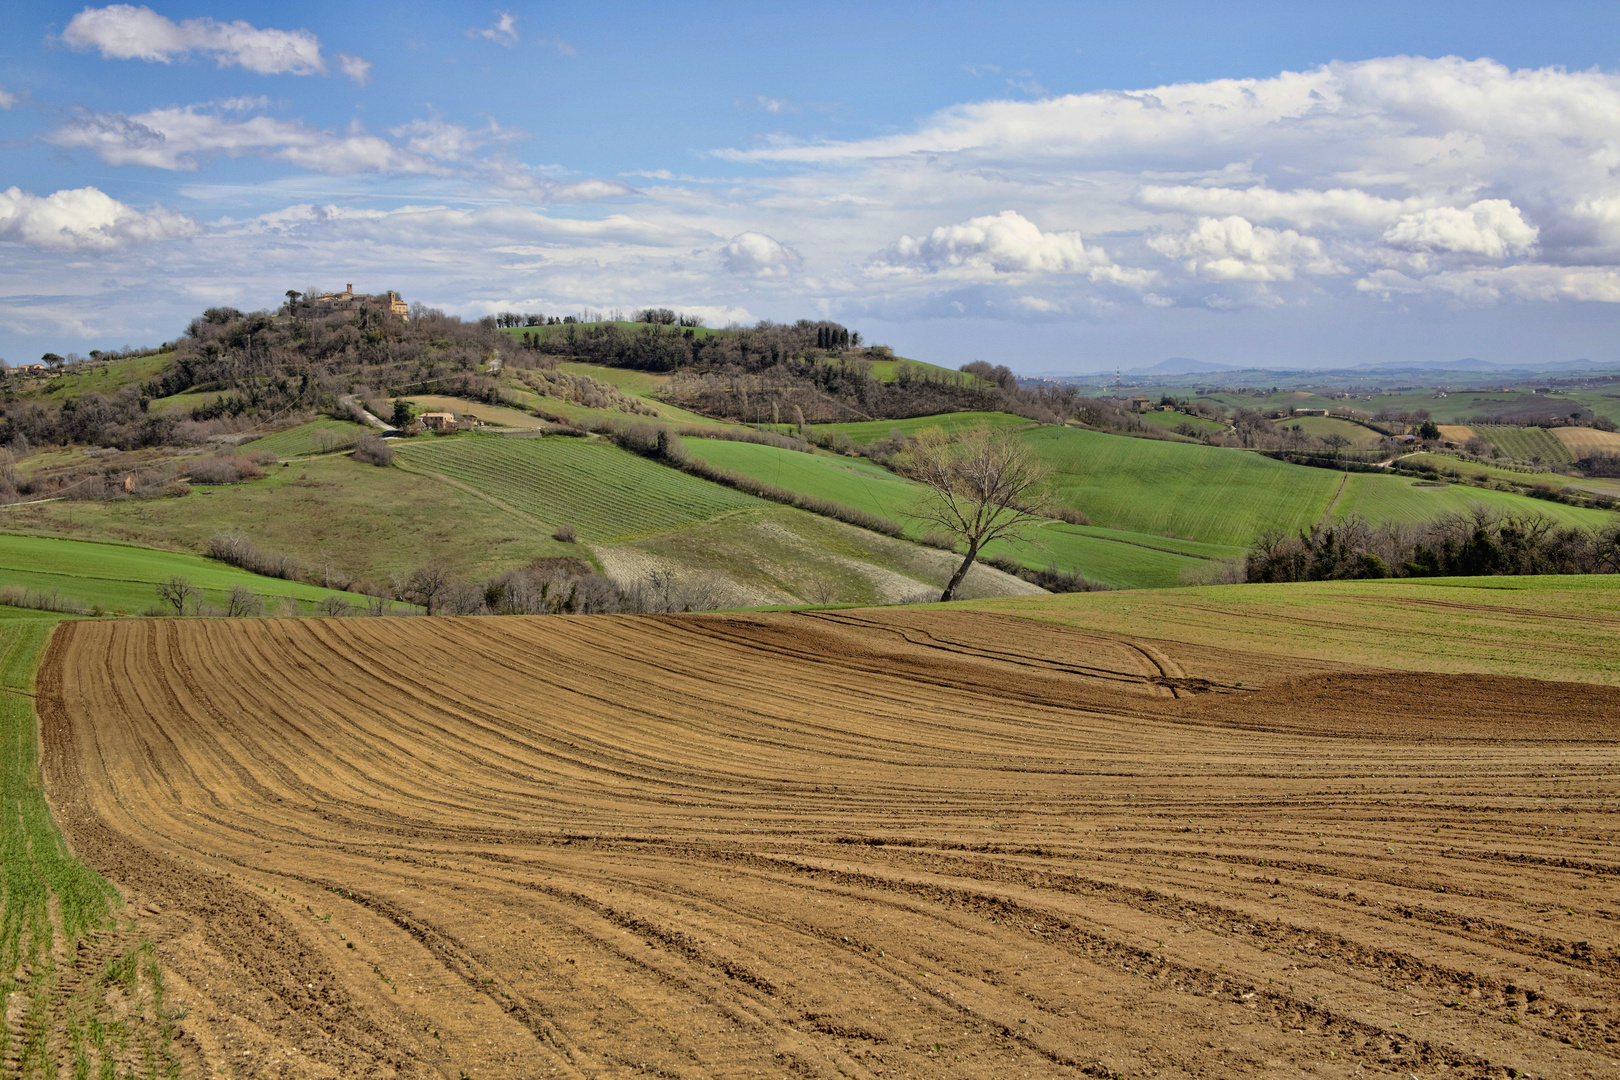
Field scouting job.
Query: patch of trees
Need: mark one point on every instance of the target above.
(560, 586)
(1600, 465)
(264, 365)
(1481, 543)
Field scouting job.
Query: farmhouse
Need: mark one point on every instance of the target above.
(438, 421)
(348, 300)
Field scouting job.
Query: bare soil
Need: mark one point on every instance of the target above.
(863, 844)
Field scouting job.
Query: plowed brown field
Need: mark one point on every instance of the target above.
(865, 844)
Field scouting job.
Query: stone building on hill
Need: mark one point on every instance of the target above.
(349, 300)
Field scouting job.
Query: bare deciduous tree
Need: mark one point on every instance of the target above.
(333, 607)
(428, 586)
(982, 486)
(176, 593)
(243, 603)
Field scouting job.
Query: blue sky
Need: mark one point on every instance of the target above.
(1059, 187)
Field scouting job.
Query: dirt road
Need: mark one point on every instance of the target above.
(863, 844)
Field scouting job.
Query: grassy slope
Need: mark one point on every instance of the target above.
(372, 522)
(1169, 421)
(1398, 498)
(1226, 496)
(866, 431)
(303, 439)
(602, 491)
(640, 384)
(1117, 558)
(781, 555)
(1537, 627)
(1148, 486)
(105, 379)
(183, 403)
(49, 902)
(120, 577)
(1318, 426)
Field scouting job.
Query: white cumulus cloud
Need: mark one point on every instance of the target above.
(1004, 243)
(1493, 228)
(7, 98)
(84, 219)
(126, 32)
(752, 254)
(1236, 249)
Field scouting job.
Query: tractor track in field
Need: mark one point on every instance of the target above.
(847, 843)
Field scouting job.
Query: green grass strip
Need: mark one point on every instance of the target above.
(38, 874)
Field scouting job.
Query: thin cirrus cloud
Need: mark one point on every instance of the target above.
(127, 32)
(181, 138)
(84, 219)
(503, 31)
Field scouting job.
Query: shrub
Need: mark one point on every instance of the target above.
(565, 534)
(1060, 581)
(238, 550)
(374, 451)
(222, 470)
(334, 607)
(18, 596)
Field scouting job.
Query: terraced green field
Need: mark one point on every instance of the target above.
(307, 439)
(603, 492)
(1215, 495)
(121, 577)
(1398, 498)
(1526, 443)
(1495, 472)
(1122, 559)
(1229, 497)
